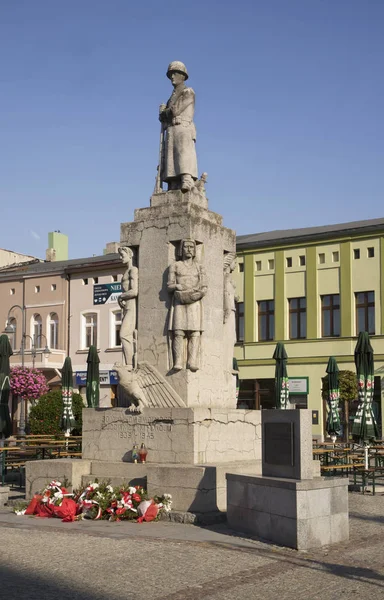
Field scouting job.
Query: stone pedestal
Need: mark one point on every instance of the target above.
(4, 493)
(287, 505)
(299, 514)
(155, 234)
(173, 436)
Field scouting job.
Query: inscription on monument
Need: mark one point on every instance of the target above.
(278, 444)
(136, 427)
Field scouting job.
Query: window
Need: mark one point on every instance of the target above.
(258, 265)
(95, 280)
(12, 336)
(37, 330)
(266, 320)
(53, 287)
(271, 264)
(302, 260)
(335, 256)
(241, 267)
(330, 315)
(90, 330)
(37, 289)
(53, 331)
(116, 326)
(365, 312)
(85, 281)
(356, 253)
(371, 252)
(321, 258)
(240, 321)
(297, 318)
(12, 291)
(114, 277)
(289, 261)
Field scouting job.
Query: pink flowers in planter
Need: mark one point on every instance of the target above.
(28, 384)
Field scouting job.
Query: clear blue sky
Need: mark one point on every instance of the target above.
(289, 112)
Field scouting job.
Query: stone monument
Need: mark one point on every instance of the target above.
(179, 323)
(177, 391)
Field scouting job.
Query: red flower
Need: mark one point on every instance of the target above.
(121, 511)
(136, 497)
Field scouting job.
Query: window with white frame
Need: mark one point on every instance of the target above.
(89, 330)
(37, 330)
(53, 331)
(12, 336)
(115, 328)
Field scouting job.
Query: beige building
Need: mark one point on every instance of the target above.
(8, 258)
(95, 319)
(313, 289)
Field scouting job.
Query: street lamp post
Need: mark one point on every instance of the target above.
(9, 329)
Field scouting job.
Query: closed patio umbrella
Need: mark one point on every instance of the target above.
(333, 425)
(364, 424)
(93, 390)
(281, 377)
(5, 370)
(68, 421)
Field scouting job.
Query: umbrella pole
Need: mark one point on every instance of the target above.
(66, 435)
(366, 458)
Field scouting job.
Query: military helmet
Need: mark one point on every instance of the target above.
(177, 66)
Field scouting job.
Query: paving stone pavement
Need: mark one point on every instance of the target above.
(45, 559)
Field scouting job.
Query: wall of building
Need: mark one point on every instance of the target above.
(8, 257)
(313, 270)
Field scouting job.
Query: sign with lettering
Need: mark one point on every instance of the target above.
(106, 293)
(105, 378)
(298, 385)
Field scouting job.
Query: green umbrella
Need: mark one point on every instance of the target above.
(5, 370)
(93, 391)
(281, 376)
(364, 425)
(68, 421)
(333, 425)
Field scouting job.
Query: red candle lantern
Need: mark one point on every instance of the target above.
(143, 453)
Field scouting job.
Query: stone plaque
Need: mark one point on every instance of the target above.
(278, 444)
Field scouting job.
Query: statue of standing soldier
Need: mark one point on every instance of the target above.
(178, 162)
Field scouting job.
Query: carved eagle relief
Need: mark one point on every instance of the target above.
(146, 387)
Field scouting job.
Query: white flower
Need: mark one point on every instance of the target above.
(132, 490)
(20, 512)
(109, 488)
(167, 497)
(58, 494)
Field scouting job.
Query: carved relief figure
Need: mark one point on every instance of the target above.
(179, 162)
(127, 302)
(188, 283)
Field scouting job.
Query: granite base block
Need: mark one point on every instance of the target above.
(40, 472)
(173, 436)
(4, 494)
(301, 514)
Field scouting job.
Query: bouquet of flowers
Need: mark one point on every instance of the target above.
(98, 501)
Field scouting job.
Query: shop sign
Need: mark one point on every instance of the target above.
(298, 385)
(106, 293)
(105, 378)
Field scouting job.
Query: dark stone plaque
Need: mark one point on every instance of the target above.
(278, 444)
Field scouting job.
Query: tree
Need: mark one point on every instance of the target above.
(28, 384)
(44, 417)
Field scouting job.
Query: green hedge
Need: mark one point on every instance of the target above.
(44, 417)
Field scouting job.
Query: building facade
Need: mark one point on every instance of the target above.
(314, 289)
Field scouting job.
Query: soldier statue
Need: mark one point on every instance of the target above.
(178, 162)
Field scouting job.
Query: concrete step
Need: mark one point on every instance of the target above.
(115, 480)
